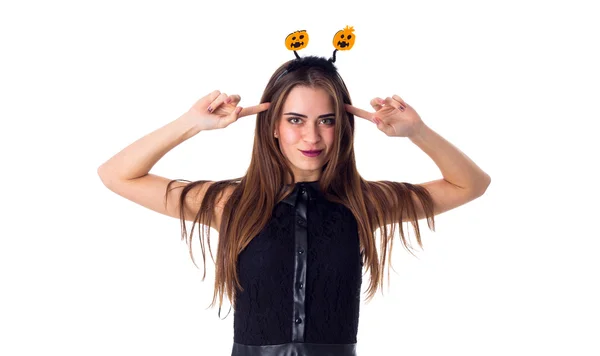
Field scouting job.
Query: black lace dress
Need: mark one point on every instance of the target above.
(302, 280)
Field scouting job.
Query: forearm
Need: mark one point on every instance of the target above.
(455, 166)
(138, 158)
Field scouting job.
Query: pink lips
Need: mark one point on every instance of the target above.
(311, 153)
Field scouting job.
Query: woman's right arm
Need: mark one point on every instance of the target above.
(127, 172)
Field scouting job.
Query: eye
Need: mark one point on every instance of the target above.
(326, 121)
(342, 36)
(301, 37)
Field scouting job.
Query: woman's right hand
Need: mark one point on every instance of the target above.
(218, 110)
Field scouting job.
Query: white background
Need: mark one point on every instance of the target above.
(513, 84)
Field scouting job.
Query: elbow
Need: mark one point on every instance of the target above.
(484, 183)
(478, 186)
(104, 176)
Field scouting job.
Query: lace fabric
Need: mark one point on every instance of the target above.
(264, 309)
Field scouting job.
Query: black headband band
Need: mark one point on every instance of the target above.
(310, 61)
(295, 41)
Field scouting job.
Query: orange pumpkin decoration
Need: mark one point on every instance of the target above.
(344, 39)
(296, 40)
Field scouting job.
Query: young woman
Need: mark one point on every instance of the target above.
(296, 231)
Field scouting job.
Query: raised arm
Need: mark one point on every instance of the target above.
(127, 172)
(462, 182)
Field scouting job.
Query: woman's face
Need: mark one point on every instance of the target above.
(307, 124)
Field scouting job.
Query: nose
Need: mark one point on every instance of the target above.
(312, 134)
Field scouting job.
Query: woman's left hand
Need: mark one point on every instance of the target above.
(393, 116)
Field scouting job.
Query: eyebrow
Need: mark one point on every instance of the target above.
(304, 116)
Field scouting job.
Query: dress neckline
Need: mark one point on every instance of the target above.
(307, 182)
(312, 187)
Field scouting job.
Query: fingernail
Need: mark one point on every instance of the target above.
(209, 109)
(228, 100)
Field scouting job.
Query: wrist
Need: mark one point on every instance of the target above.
(189, 125)
(420, 133)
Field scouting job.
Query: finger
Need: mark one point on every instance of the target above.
(218, 101)
(251, 110)
(232, 117)
(382, 126)
(359, 112)
(399, 99)
(395, 104)
(207, 99)
(233, 99)
(376, 103)
(213, 95)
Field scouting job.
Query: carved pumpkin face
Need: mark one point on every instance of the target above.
(344, 39)
(296, 40)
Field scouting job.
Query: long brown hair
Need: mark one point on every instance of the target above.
(374, 204)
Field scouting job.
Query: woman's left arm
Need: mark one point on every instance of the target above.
(463, 180)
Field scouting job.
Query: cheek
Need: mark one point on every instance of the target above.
(287, 141)
(328, 135)
(289, 136)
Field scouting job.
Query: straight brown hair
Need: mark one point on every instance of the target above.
(374, 204)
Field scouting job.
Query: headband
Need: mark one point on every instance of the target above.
(295, 41)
